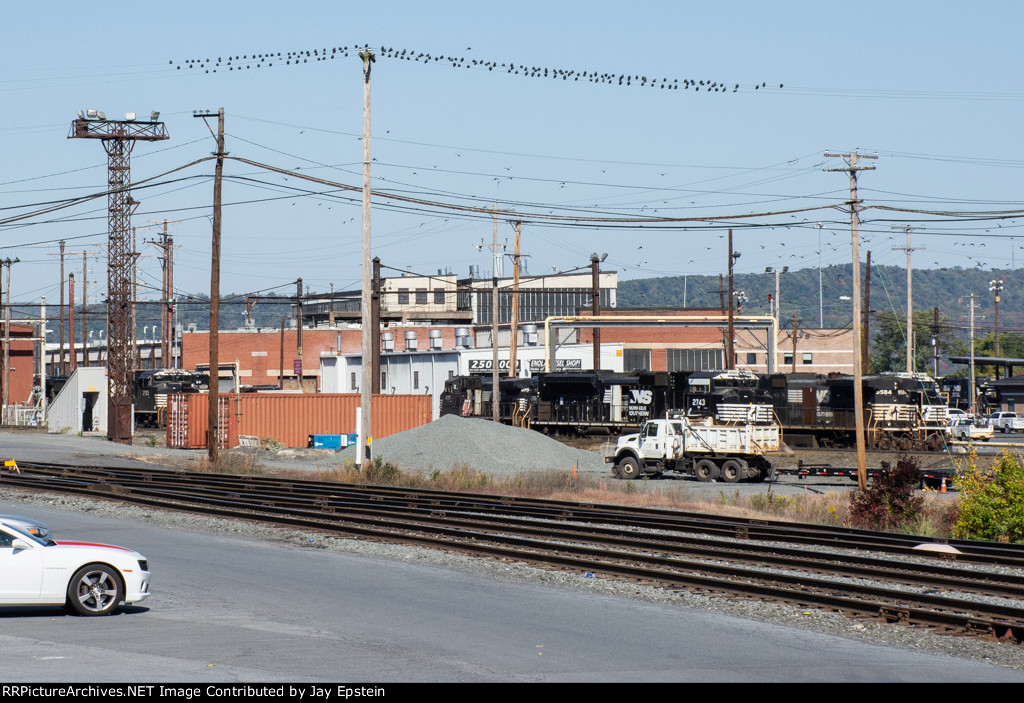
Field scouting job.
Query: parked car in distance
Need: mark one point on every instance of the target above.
(965, 430)
(1005, 421)
(27, 524)
(954, 414)
(87, 578)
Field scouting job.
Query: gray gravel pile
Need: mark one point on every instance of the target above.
(455, 442)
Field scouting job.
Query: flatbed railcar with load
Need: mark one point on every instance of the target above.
(704, 449)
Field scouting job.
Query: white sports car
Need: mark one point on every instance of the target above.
(90, 579)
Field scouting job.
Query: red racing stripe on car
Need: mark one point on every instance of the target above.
(93, 544)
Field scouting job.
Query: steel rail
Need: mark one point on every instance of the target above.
(648, 518)
(914, 608)
(855, 566)
(951, 615)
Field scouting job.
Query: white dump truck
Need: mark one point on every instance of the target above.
(707, 450)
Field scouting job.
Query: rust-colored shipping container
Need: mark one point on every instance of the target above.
(290, 418)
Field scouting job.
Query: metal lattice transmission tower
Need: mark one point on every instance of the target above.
(119, 137)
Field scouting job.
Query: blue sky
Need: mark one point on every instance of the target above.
(933, 88)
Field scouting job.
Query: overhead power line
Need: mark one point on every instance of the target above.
(615, 78)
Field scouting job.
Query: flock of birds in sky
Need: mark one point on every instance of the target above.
(296, 58)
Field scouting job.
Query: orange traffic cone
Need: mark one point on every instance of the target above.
(942, 489)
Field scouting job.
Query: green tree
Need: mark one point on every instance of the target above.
(1011, 344)
(889, 349)
(992, 501)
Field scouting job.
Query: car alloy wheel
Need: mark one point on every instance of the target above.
(95, 589)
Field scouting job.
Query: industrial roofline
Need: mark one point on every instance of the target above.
(765, 322)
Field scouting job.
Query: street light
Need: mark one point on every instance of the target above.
(740, 297)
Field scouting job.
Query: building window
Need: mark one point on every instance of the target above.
(354, 386)
(751, 358)
(787, 358)
(403, 296)
(636, 360)
(808, 358)
(694, 359)
(439, 296)
(383, 381)
(415, 379)
(421, 296)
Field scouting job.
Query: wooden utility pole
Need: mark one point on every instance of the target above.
(910, 298)
(85, 306)
(280, 375)
(595, 275)
(495, 277)
(730, 361)
(60, 355)
(166, 246)
(365, 451)
(864, 359)
(514, 343)
(495, 382)
(85, 333)
(852, 159)
(73, 362)
(212, 439)
(375, 327)
(7, 337)
(796, 323)
(973, 409)
(298, 333)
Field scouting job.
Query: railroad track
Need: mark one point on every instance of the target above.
(671, 549)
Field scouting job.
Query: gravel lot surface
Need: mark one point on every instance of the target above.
(477, 444)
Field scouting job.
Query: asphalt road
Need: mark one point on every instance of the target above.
(231, 609)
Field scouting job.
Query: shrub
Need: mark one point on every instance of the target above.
(271, 444)
(892, 501)
(382, 472)
(992, 501)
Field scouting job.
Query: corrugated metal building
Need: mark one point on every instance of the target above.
(81, 405)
